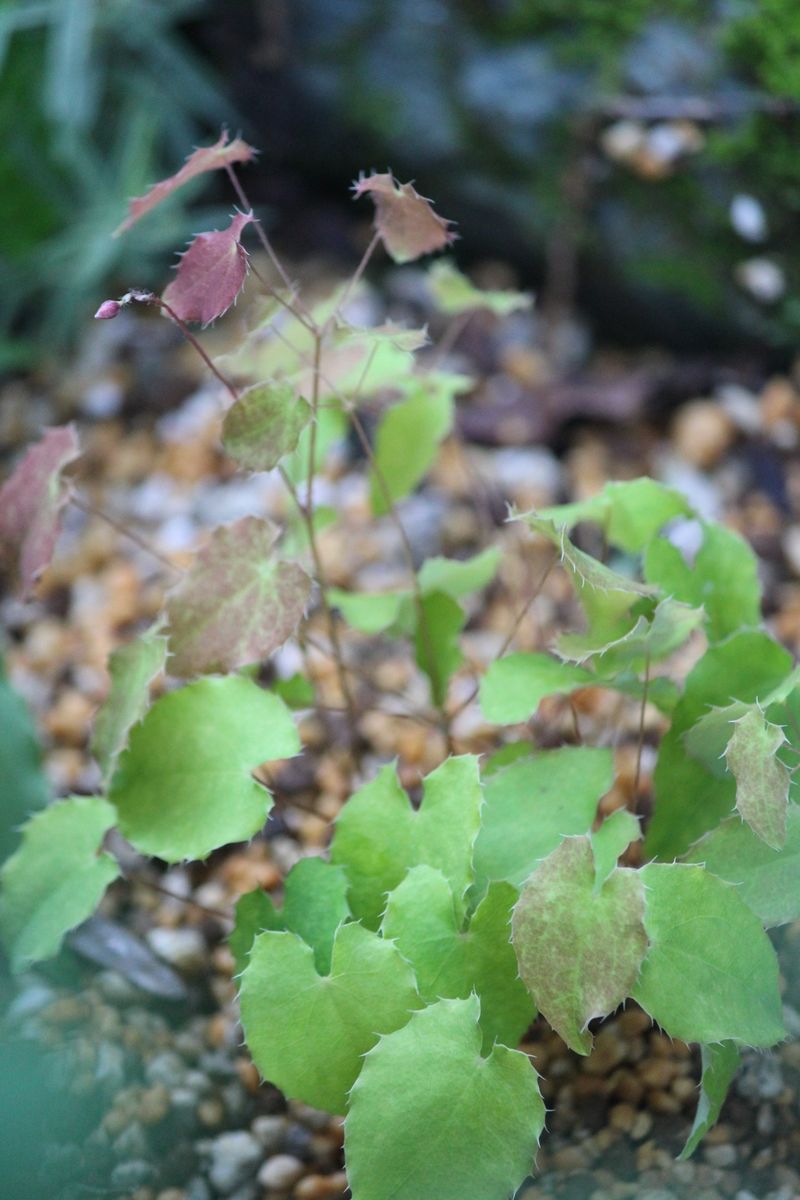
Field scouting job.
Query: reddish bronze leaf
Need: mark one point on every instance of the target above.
(210, 274)
(406, 222)
(205, 158)
(30, 505)
(237, 604)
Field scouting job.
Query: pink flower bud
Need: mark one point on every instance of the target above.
(107, 310)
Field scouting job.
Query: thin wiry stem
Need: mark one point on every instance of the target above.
(88, 507)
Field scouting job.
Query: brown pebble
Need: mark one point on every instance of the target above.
(609, 1051)
(217, 1030)
(153, 1104)
(569, 1158)
(634, 1021)
(702, 432)
(320, 1187)
(683, 1088)
(211, 1112)
(641, 1126)
(662, 1102)
(248, 1074)
(656, 1073)
(622, 1117)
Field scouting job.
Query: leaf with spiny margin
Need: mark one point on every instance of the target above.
(723, 579)
(31, 500)
(719, 1064)
(762, 781)
(689, 799)
(308, 1032)
(767, 880)
(379, 836)
(606, 595)
(453, 293)
(132, 669)
(610, 841)
(710, 974)
(513, 687)
(430, 1117)
(630, 513)
(437, 643)
(708, 738)
(25, 789)
(532, 804)
(421, 919)
(211, 273)
(56, 877)
(255, 911)
(238, 602)
(649, 640)
(579, 951)
(264, 424)
(406, 445)
(184, 786)
(459, 577)
(404, 220)
(205, 158)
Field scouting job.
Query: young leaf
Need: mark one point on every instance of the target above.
(514, 687)
(31, 500)
(579, 951)
(453, 293)
(436, 639)
(211, 274)
(254, 912)
(532, 804)
(379, 836)
(629, 513)
(405, 221)
(610, 841)
(238, 602)
(56, 878)
(689, 800)
(406, 445)
(205, 158)
(421, 919)
(264, 424)
(132, 669)
(25, 789)
(720, 1063)
(762, 781)
(647, 641)
(429, 1117)
(723, 579)
(307, 1033)
(710, 974)
(194, 747)
(296, 691)
(606, 596)
(767, 880)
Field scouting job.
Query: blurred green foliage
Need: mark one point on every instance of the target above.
(98, 98)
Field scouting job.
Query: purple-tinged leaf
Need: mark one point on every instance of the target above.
(205, 158)
(264, 424)
(579, 952)
(762, 780)
(406, 222)
(31, 500)
(211, 274)
(237, 604)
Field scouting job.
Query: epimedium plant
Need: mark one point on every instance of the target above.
(398, 977)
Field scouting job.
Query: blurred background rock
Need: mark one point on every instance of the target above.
(637, 161)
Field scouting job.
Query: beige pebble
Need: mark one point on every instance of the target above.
(656, 1072)
(211, 1112)
(641, 1126)
(623, 1117)
(703, 432)
(634, 1021)
(663, 1102)
(154, 1104)
(320, 1187)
